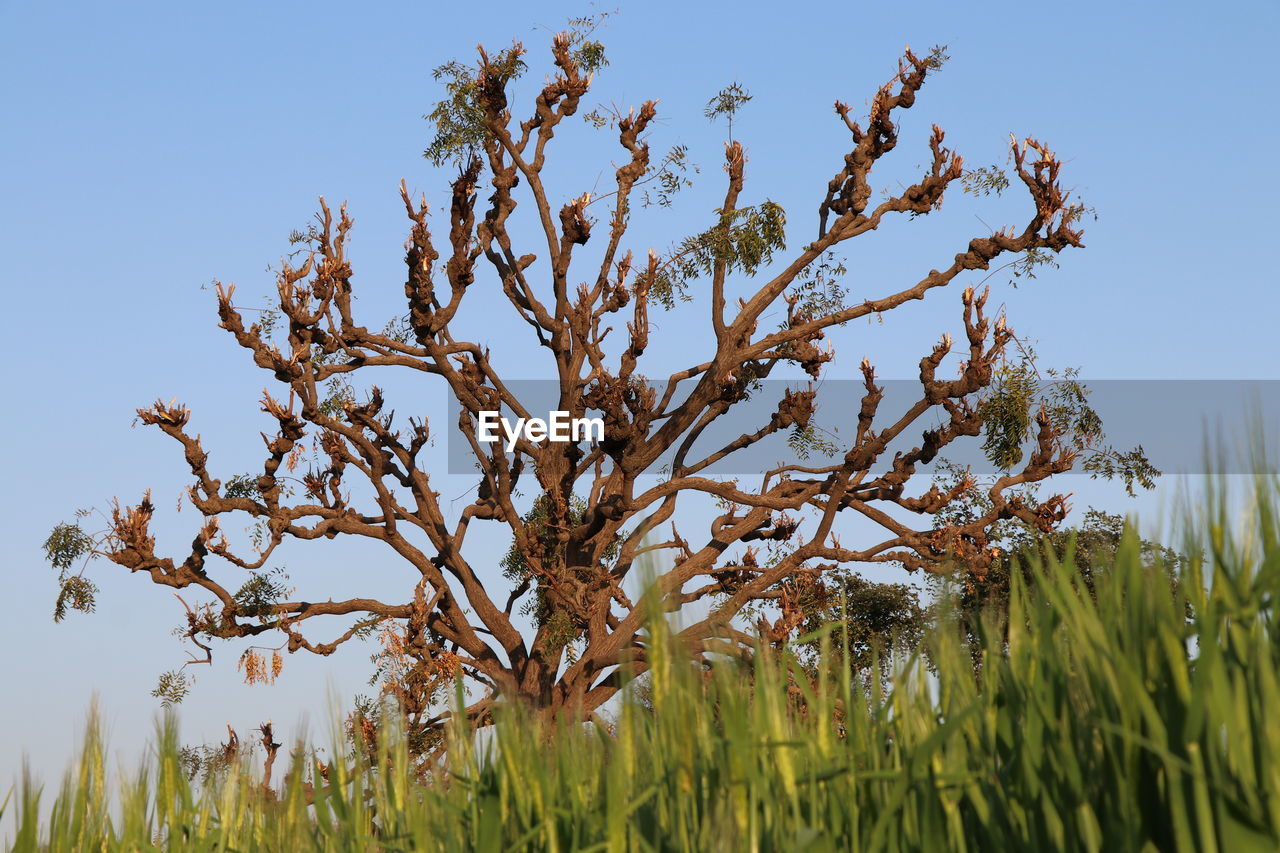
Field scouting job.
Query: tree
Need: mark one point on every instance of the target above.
(860, 625)
(1091, 549)
(580, 515)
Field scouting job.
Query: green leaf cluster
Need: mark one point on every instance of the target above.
(1006, 413)
(66, 545)
(670, 177)
(819, 290)
(260, 593)
(727, 102)
(985, 180)
(873, 619)
(458, 118)
(743, 240)
(172, 687)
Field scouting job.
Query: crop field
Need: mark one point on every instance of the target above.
(1126, 718)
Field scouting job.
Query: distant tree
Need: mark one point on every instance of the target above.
(1090, 548)
(860, 624)
(339, 462)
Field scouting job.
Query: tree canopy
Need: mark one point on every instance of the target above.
(580, 516)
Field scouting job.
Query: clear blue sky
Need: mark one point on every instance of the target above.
(148, 149)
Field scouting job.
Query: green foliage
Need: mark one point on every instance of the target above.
(458, 118)
(366, 629)
(212, 766)
(398, 329)
(1007, 412)
(260, 593)
(172, 687)
(670, 176)
(600, 117)
(809, 439)
(1089, 550)
(1029, 261)
(589, 56)
(587, 53)
(339, 393)
(819, 291)
(1103, 718)
(1010, 405)
(1067, 403)
(269, 318)
(1131, 466)
(75, 592)
(515, 568)
(560, 627)
(937, 57)
(242, 486)
(726, 103)
(985, 180)
(743, 240)
(66, 544)
(872, 620)
(993, 180)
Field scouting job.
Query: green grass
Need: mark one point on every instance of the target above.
(1115, 723)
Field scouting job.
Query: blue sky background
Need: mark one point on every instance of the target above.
(148, 149)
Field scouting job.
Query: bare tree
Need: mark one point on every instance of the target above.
(586, 511)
